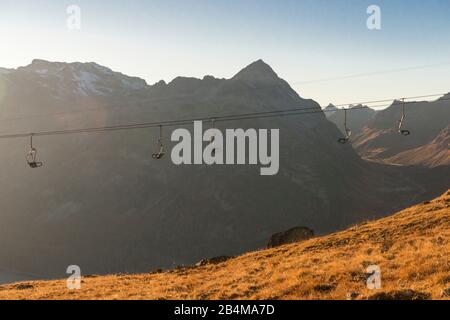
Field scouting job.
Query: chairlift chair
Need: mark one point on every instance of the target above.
(213, 138)
(402, 131)
(348, 132)
(160, 154)
(32, 156)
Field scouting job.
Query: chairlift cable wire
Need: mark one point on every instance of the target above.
(171, 123)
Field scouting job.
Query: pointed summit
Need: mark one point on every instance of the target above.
(331, 107)
(39, 62)
(258, 71)
(330, 110)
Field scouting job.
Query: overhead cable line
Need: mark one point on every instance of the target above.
(375, 73)
(31, 157)
(180, 122)
(124, 109)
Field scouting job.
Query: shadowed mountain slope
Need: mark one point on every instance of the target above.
(427, 121)
(433, 154)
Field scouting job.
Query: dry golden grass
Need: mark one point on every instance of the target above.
(412, 248)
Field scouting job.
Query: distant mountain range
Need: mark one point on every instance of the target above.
(103, 203)
(375, 136)
(427, 145)
(330, 109)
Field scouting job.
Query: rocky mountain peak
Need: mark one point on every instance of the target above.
(82, 78)
(257, 71)
(331, 107)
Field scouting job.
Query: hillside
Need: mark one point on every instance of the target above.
(412, 248)
(433, 154)
(380, 141)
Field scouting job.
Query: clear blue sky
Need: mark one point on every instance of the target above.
(302, 40)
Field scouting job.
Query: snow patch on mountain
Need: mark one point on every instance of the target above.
(81, 78)
(87, 83)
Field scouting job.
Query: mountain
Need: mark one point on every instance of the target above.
(427, 121)
(258, 72)
(101, 202)
(357, 118)
(408, 248)
(330, 109)
(81, 78)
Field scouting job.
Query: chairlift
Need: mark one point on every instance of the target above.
(213, 138)
(160, 154)
(32, 156)
(402, 131)
(348, 132)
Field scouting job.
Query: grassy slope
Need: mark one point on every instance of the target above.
(412, 249)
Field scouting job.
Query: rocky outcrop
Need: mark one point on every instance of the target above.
(291, 236)
(215, 260)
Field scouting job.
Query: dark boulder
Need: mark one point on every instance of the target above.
(215, 260)
(291, 236)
